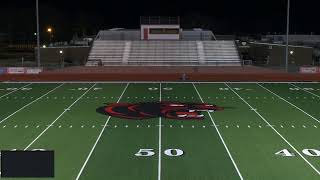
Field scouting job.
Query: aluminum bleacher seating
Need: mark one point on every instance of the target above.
(163, 53)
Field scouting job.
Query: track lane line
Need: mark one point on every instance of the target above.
(15, 90)
(305, 90)
(289, 103)
(65, 110)
(221, 138)
(284, 139)
(30, 103)
(100, 135)
(160, 141)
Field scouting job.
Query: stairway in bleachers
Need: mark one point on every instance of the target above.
(163, 53)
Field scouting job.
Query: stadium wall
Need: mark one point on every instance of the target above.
(274, 54)
(74, 54)
(217, 74)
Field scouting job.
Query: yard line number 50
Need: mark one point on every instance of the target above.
(168, 152)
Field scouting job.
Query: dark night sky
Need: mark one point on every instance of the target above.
(223, 16)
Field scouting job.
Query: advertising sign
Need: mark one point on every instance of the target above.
(33, 70)
(15, 70)
(2, 70)
(309, 70)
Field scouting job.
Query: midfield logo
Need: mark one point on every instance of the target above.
(147, 110)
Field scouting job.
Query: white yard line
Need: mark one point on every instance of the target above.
(255, 110)
(65, 110)
(98, 138)
(221, 138)
(289, 103)
(15, 90)
(30, 103)
(305, 90)
(159, 151)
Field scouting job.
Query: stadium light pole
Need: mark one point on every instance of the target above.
(288, 31)
(38, 34)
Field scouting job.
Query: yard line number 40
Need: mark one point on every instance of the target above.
(168, 152)
(308, 152)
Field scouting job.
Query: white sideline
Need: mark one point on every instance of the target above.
(7, 95)
(159, 151)
(67, 109)
(289, 103)
(98, 138)
(30, 103)
(305, 90)
(169, 82)
(255, 110)
(15, 90)
(221, 138)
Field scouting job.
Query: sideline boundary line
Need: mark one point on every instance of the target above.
(169, 82)
(221, 138)
(30, 103)
(284, 139)
(15, 90)
(289, 103)
(67, 109)
(98, 138)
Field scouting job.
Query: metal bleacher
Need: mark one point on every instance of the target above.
(163, 53)
(221, 53)
(107, 52)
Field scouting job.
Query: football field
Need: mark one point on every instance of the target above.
(266, 131)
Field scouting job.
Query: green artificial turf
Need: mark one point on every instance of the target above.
(240, 142)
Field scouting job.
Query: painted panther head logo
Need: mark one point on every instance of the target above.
(147, 110)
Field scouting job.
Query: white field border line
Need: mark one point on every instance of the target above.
(169, 82)
(289, 103)
(305, 90)
(255, 110)
(160, 134)
(15, 90)
(221, 138)
(30, 103)
(7, 95)
(98, 138)
(67, 109)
